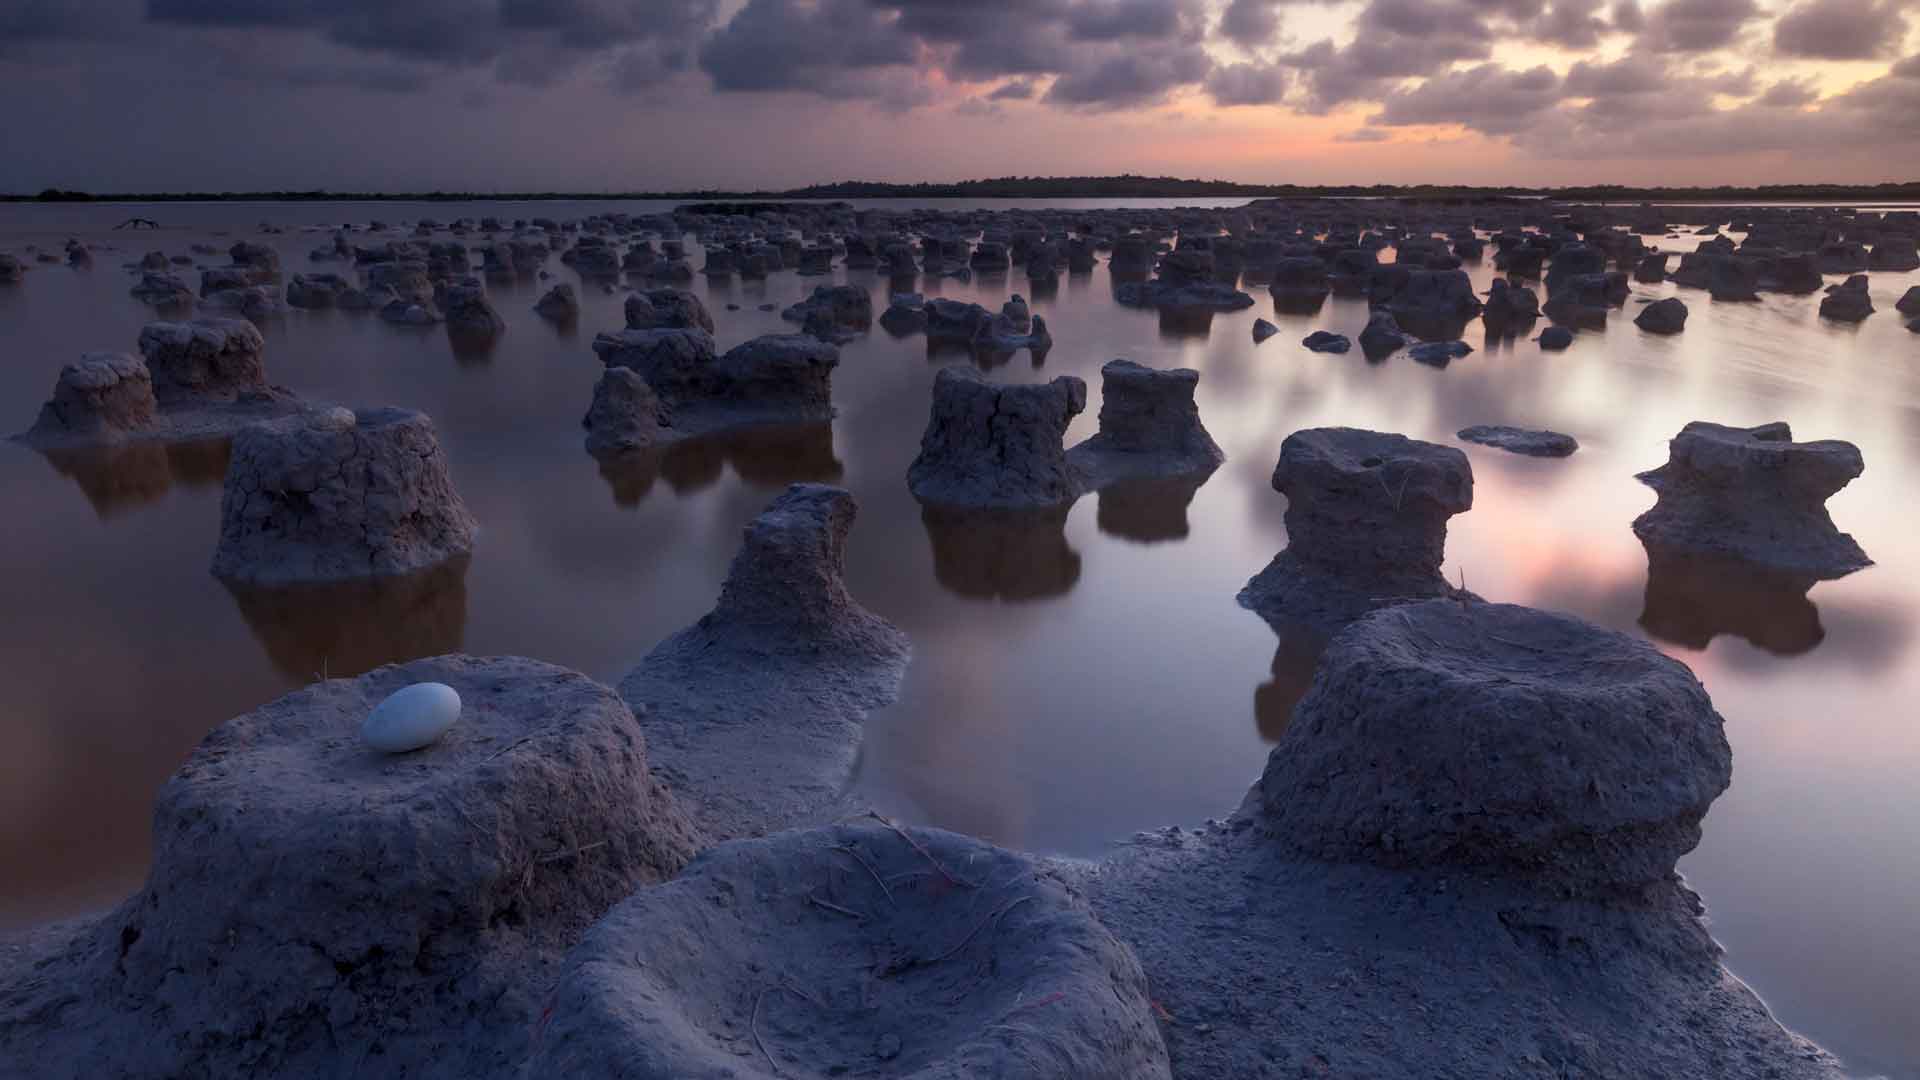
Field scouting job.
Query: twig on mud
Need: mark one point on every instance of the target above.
(924, 853)
(875, 874)
(515, 744)
(981, 925)
(836, 908)
(753, 1026)
(556, 856)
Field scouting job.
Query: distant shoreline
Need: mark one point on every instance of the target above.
(1102, 187)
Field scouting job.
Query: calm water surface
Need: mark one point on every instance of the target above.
(1070, 686)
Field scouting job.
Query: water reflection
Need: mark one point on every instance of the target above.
(1694, 598)
(1148, 509)
(347, 628)
(1294, 661)
(1002, 554)
(768, 456)
(116, 479)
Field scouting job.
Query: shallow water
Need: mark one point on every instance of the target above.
(1069, 686)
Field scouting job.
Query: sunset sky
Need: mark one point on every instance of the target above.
(603, 95)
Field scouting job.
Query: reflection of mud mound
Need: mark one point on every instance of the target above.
(771, 456)
(123, 476)
(1002, 554)
(1148, 509)
(1694, 598)
(346, 628)
(914, 954)
(1294, 662)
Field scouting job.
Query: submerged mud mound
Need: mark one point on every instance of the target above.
(315, 904)
(1756, 495)
(856, 951)
(194, 381)
(337, 496)
(753, 713)
(993, 445)
(1366, 525)
(1149, 427)
(1500, 740)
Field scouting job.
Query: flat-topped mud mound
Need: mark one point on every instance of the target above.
(1149, 426)
(194, 381)
(989, 444)
(1756, 495)
(336, 496)
(853, 951)
(1499, 739)
(313, 900)
(1366, 525)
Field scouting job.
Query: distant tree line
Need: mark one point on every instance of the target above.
(1059, 187)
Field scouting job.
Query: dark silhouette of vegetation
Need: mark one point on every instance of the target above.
(1060, 187)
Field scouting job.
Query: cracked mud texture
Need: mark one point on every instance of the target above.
(994, 445)
(1149, 426)
(338, 496)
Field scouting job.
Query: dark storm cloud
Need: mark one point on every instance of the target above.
(1109, 20)
(1247, 84)
(24, 21)
(783, 45)
(1628, 17)
(1489, 99)
(452, 31)
(1841, 30)
(1695, 25)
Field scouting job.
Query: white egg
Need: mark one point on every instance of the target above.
(411, 718)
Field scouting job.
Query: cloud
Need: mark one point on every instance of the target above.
(1841, 30)
(1017, 90)
(1790, 93)
(1250, 23)
(1571, 24)
(1247, 84)
(1490, 98)
(1362, 135)
(1130, 77)
(1695, 25)
(829, 48)
(1111, 20)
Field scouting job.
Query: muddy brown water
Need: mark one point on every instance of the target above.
(1072, 683)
